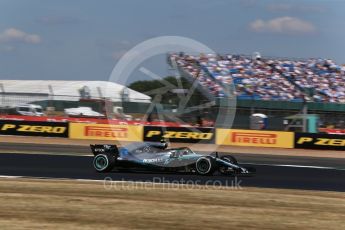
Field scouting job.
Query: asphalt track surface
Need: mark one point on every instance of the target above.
(272, 171)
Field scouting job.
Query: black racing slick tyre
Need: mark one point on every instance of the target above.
(204, 166)
(104, 162)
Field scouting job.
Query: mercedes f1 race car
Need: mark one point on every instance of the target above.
(152, 156)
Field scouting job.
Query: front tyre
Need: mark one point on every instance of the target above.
(103, 162)
(204, 166)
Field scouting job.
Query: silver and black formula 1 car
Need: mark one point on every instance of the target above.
(152, 156)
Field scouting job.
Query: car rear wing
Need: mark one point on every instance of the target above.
(102, 149)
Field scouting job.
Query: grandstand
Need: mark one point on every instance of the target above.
(316, 80)
(277, 87)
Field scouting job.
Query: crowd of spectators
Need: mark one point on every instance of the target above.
(324, 77)
(191, 65)
(320, 80)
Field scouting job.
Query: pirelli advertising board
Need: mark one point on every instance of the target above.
(180, 134)
(34, 128)
(105, 132)
(320, 141)
(255, 138)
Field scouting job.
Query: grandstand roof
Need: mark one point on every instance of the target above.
(70, 90)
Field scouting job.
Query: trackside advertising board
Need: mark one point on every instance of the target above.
(320, 141)
(255, 138)
(34, 128)
(180, 134)
(105, 132)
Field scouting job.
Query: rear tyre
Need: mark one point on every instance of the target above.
(104, 162)
(204, 166)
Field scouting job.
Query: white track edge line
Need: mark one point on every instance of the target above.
(295, 166)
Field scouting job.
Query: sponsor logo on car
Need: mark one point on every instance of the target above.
(99, 150)
(154, 160)
(254, 138)
(106, 131)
